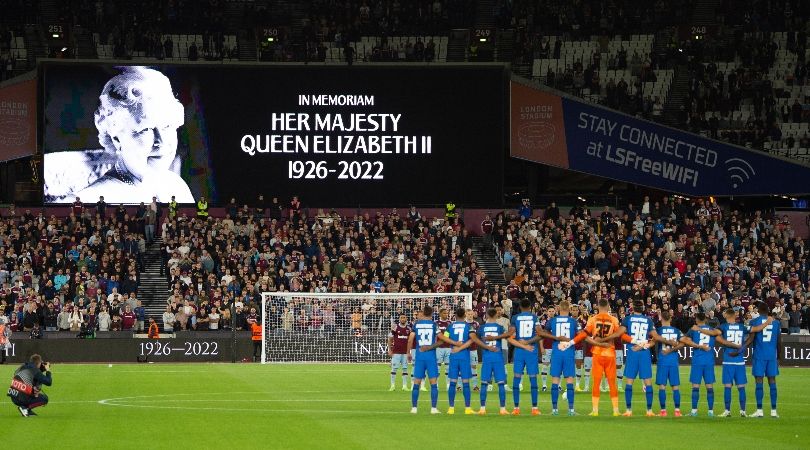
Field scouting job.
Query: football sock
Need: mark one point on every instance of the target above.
(465, 389)
(743, 397)
(434, 395)
(773, 395)
(648, 392)
(570, 394)
(451, 394)
(759, 394)
(482, 395)
(662, 398)
(695, 397)
(710, 398)
(502, 394)
(676, 398)
(516, 391)
(533, 382)
(555, 394)
(414, 395)
(727, 397)
(628, 396)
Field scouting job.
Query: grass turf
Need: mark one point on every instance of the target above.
(349, 406)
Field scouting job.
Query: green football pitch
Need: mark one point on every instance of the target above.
(349, 406)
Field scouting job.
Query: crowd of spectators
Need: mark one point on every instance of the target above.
(752, 79)
(76, 273)
(215, 263)
(683, 256)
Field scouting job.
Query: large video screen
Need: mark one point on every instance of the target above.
(332, 135)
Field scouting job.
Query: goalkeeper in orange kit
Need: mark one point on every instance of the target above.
(603, 328)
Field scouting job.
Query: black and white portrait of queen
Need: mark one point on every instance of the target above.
(137, 120)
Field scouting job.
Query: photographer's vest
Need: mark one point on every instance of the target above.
(172, 210)
(3, 338)
(202, 209)
(450, 210)
(22, 385)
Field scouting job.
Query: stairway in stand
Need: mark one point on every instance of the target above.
(488, 262)
(153, 287)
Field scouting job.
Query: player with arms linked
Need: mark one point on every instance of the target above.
(668, 371)
(733, 359)
(639, 360)
(26, 385)
(494, 364)
(460, 366)
(564, 328)
(765, 335)
(703, 338)
(525, 327)
(603, 328)
(425, 339)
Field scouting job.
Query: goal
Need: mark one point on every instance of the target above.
(340, 327)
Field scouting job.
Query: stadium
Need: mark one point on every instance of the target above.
(387, 223)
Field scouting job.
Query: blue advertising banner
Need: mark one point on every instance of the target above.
(610, 144)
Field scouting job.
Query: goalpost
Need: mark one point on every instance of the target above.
(340, 327)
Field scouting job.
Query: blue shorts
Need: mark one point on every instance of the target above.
(422, 366)
(523, 359)
(490, 370)
(459, 368)
(703, 372)
(565, 366)
(764, 368)
(638, 367)
(734, 374)
(668, 375)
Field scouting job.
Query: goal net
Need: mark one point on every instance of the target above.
(340, 327)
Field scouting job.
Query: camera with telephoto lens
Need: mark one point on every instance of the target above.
(43, 367)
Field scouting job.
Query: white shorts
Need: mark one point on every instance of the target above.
(399, 361)
(473, 358)
(619, 358)
(443, 355)
(588, 362)
(547, 356)
(579, 354)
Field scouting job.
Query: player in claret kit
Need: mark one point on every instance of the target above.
(398, 350)
(494, 365)
(668, 370)
(460, 366)
(639, 360)
(703, 338)
(443, 352)
(579, 349)
(424, 338)
(548, 348)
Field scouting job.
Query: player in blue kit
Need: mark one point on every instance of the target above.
(703, 360)
(460, 366)
(733, 359)
(425, 336)
(765, 335)
(639, 360)
(526, 328)
(494, 365)
(668, 370)
(564, 328)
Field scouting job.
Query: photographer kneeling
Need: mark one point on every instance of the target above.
(25, 390)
